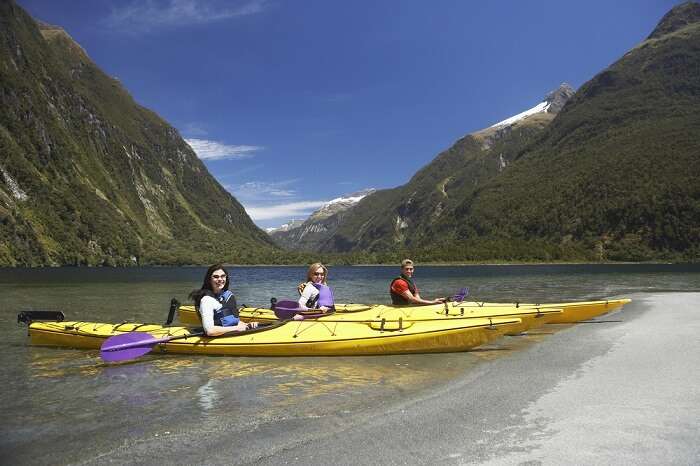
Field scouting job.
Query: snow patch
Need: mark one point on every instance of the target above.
(539, 108)
(351, 200)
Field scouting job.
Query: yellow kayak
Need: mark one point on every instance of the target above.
(326, 336)
(555, 313)
(187, 315)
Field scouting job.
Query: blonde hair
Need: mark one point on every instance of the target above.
(312, 269)
(406, 262)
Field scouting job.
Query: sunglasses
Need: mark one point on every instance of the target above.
(319, 273)
(219, 276)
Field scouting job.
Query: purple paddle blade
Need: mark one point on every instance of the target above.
(286, 309)
(459, 297)
(127, 346)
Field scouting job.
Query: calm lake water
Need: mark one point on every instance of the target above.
(54, 398)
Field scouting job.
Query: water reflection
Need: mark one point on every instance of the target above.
(208, 396)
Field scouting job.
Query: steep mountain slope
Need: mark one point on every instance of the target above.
(399, 217)
(87, 176)
(311, 234)
(615, 176)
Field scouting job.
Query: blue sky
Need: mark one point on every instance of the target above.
(293, 103)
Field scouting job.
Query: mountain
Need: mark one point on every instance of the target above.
(312, 234)
(612, 176)
(294, 223)
(398, 218)
(89, 177)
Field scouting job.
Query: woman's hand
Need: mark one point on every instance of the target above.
(240, 326)
(298, 317)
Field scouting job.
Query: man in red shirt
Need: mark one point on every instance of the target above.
(404, 291)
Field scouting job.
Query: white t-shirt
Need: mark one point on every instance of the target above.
(207, 306)
(310, 291)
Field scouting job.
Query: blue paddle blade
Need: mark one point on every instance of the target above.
(127, 346)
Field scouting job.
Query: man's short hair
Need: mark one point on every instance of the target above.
(406, 262)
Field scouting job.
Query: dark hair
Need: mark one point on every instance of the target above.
(198, 294)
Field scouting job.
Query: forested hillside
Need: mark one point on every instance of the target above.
(614, 176)
(89, 177)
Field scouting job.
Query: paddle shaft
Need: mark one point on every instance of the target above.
(155, 341)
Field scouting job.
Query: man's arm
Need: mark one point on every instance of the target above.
(416, 299)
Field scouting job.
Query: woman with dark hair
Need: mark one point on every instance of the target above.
(216, 304)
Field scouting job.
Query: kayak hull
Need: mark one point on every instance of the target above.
(576, 312)
(570, 312)
(329, 337)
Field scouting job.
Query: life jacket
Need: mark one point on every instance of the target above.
(400, 299)
(325, 296)
(227, 314)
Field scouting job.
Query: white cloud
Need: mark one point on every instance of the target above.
(194, 129)
(213, 150)
(262, 191)
(284, 211)
(146, 15)
(267, 200)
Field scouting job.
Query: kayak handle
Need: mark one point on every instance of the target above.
(27, 317)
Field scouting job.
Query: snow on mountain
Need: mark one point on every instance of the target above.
(286, 227)
(539, 108)
(328, 209)
(340, 203)
(552, 103)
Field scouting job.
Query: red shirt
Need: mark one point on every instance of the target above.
(399, 286)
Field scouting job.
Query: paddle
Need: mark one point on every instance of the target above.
(134, 344)
(287, 309)
(461, 294)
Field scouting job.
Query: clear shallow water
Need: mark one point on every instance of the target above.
(55, 398)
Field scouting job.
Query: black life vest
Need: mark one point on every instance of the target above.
(227, 315)
(400, 299)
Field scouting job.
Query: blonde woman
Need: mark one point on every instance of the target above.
(316, 293)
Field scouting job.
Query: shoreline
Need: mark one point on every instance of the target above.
(331, 264)
(617, 390)
(622, 391)
(588, 394)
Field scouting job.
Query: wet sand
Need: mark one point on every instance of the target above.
(622, 391)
